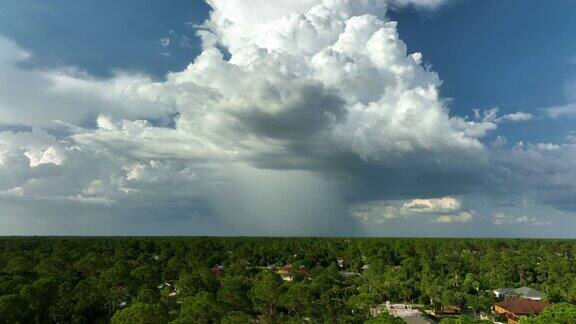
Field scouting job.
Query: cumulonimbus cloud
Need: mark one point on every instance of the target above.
(323, 88)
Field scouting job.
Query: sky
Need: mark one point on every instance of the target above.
(307, 117)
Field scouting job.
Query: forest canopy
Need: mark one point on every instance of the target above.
(238, 280)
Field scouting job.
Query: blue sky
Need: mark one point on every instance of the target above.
(179, 138)
(102, 36)
(499, 53)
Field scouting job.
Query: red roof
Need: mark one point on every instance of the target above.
(523, 306)
(217, 270)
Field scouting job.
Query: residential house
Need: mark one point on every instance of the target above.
(410, 313)
(217, 270)
(452, 310)
(287, 273)
(398, 310)
(512, 310)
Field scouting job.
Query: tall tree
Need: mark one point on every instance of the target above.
(266, 293)
(140, 313)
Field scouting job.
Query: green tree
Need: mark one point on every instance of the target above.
(384, 318)
(114, 284)
(298, 299)
(145, 276)
(235, 318)
(266, 293)
(88, 301)
(13, 309)
(40, 296)
(233, 293)
(191, 283)
(148, 295)
(202, 308)
(140, 313)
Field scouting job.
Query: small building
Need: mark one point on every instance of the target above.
(287, 273)
(377, 310)
(512, 310)
(403, 310)
(452, 310)
(286, 269)
(410, 313)
(217, 270)
(522, 292)
(169, 288)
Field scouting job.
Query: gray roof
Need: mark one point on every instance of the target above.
(525, 292)
(505, 291)
(528, 292)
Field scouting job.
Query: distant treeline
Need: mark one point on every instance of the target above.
(239, 280)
